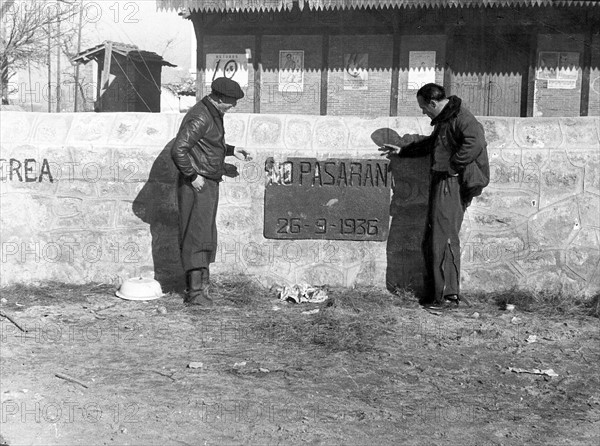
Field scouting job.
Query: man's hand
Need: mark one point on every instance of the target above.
(198, 183)
(389, 149)
(242, 154)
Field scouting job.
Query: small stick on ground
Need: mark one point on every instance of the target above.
(70, 378)
(3, 314)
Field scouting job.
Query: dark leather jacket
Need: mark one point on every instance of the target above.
(457, 140)
(199, 147)
(456, 145)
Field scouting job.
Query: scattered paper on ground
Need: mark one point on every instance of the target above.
(301, 293)
(547, 372)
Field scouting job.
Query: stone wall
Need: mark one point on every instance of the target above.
(91, 197)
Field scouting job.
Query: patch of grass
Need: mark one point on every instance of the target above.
(548, 302)
(350, 320)
(593, 306)
(240, 291)
(49, 292)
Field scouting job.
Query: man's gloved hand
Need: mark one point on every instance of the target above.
(231, 170)
(389, 149)
(394, 149)
(242, 154)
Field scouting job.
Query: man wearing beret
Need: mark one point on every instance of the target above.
(199, 153)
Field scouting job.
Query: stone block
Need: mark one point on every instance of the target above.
(331, 134)
(533, 161)
(559, 179)
(494, 220)
(498, 132)
(155, 130)
(115, 189)
(494, 248)
(506, 175)
(16, 128)
(500, 277)
(265, 131)
(237, 220)
(236, 126)
(372, 272)
(324, 275)
(89, 163)
(241, 194)
(591, 181)
(580, 132)
(52, 129)
(583, 253)
(125, 127)
(510, 155)
(538, 133)
(589, 210)
(554, 225)
(402, 125)
(131, 165)
(510, 203)
(365, 134)
(299, 131)
(76, 189)
(99, 213)
(90, 128)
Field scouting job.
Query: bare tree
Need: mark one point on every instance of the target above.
(27, 28)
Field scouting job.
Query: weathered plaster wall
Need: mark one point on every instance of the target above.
(109, 211)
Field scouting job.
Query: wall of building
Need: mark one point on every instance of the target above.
(594, 109)
(558, 102)
(232, 45)
(291, 101)
(91, 197)
(407, 103)
(343, 98)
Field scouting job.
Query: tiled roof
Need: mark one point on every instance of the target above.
(268, 5)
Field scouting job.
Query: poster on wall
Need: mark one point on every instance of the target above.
(356, 71)
(421, 69)
(233, 66)
(560, 70)
(291, 71)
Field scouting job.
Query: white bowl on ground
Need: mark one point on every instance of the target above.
(140, 288)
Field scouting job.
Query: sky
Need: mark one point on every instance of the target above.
(138, 22)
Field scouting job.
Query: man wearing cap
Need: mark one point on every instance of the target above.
(199, 153)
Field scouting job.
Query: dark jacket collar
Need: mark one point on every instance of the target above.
(211, 108)
(449, 111)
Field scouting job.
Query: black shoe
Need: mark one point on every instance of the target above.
(456, 299)
(441, 306)
(198, 300)
(197, 293)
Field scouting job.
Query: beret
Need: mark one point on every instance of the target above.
(227, 87)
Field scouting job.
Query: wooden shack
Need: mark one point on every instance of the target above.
(129, 79)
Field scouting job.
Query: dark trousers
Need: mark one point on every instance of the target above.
(441, 245)
(197, 223)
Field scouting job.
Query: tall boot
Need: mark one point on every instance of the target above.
(205, 283)
(197, 280)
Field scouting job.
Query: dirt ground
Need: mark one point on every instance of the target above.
(369, 368)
